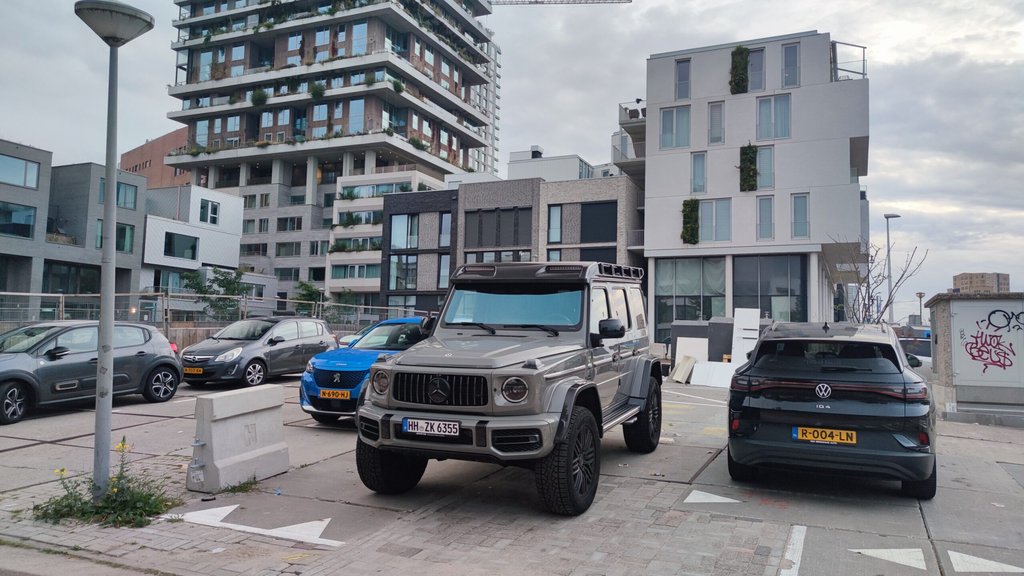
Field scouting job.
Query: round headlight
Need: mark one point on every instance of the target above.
(515, 389)
(380, 382)
(309, 367)
(229, 355)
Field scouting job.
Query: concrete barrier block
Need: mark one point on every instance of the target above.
(239, 436)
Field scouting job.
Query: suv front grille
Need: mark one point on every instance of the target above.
(339, 379)
(440, 389)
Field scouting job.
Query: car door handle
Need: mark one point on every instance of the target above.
(140, 353)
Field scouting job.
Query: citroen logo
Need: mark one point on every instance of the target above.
(823, 390)
(438, 390)
(337, 378)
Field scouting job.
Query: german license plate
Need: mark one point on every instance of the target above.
(335, 394)
(190, 370)
(430, 427)
(824, 436)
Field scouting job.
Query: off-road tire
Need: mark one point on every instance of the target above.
(14, 401)
(567, 477)
(388, 472)
(255, 373)
(921, 489)
(739, 472)
(642, 436)
(160, 385)
(325, 418)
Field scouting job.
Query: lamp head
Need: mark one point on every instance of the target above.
(115, 23)
(890, 216)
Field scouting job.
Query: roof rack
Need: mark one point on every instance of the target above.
(620, 271)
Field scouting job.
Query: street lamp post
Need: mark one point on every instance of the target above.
(116, 24)
(888, 262)
(920, 307)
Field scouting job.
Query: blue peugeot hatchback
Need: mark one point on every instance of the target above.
(334, 379)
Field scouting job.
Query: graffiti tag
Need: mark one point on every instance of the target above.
(1002, 320)
(990, 350)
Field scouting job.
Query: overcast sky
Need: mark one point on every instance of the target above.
(946, 98)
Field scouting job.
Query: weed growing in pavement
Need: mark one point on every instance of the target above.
(129, 501)
(243, 487)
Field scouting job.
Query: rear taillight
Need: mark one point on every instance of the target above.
(734, 422)
(174, 347)
(922, 438)
(740, 384)
(917, 391)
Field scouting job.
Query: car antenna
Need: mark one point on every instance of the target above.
(825, 327)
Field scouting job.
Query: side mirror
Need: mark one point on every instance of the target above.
(428, 324)
(275, 340)
(611, 328)
(57, 352)
(914, 361)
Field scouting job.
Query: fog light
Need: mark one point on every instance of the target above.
(515, 390)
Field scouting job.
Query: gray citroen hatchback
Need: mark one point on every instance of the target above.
(55, 362)
(836, 398)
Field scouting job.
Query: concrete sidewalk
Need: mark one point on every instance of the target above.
(662, 513)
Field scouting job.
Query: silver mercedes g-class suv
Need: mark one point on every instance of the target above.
(529, 364)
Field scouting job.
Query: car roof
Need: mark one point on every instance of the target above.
(69, 323)
(406, 320)
(877, 333)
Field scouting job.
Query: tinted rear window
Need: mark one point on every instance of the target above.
(826, 356)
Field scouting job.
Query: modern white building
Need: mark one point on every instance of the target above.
(750, 170)
(533, 164)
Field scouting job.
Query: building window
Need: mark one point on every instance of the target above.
(355, 116)
(294, 40)
(403, 272)
(265, 200)
(765, 218)
(323, 36)
(715, 220)
(232, 124)
(318, 132)
(554, 255)
(341, 272)
(319, 112)
(444, 235)
(248, 226)
(443, 271)
(125, 241)
(267, 119)
(405, 230)
(283, 116)
(17, 220)
(249, 201)
(598, 222)
(202, 132)
(264, 225)
(359, 38)
(287, 249)
(316, 274)
(790, 65)
(555, 223)
(675, 127)
(698, 173)
(290, 224)
(252, 249)
(127, 194)
(773, 117)
(801, 216)
(776, 285)
(19, 172)
(287, 274)
(687, 289)
(755, 70)
(209, 212)
(765, 167)
(716, 122)
(318, 247)
(682, 79)
(505, 227)
(238, 52)
(181, 246)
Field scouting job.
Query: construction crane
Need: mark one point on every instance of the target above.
(542, 2)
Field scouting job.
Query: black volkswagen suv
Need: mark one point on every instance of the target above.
(839, 398)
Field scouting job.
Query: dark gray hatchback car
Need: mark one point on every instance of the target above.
(839, 398)
(55, 362)
(248, 351)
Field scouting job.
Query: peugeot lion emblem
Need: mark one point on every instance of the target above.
(337, 378)
(438, 390)
(823, 390)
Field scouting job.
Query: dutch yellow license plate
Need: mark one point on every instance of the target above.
(190, 370)
(335, 394)
(824, 436)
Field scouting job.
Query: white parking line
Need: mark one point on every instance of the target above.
(794, 550)
(692, 396)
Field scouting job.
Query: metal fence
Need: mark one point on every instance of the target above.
(186, 318)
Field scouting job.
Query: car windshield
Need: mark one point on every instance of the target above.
(244, 330)
(515, 305)
(917, 347)
(21, 339)
(826, 356)
(391, 337)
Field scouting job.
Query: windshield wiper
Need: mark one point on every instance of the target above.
(547, 329)
(480, 325)
(844, 369)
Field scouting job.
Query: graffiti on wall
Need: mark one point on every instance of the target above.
(987, 345)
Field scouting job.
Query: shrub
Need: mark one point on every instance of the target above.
(398, 86)
(691, 221)
(316, 90)
(738, 79)
(259, 97)
(748, 168)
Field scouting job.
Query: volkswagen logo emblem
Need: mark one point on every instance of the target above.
(823, 390)
(438, 390)
(337, 378)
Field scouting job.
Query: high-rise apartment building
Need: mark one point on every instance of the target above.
(312, 110)
(750, 168)
(981, 283)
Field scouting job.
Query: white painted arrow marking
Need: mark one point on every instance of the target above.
(698, 497)
(965, 563)
(308, 532)
(913, 557)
